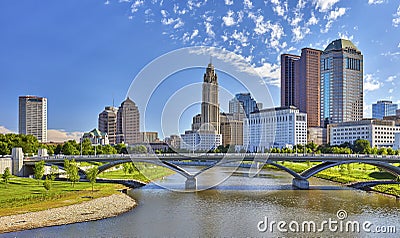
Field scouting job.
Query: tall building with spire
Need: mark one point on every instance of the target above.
(210, 106)
(341, 83)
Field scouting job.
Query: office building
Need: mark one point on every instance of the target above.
(107, 123)
(379, 133)
(383, 108)
(242, 103)
(231, 130)
(200, 141)
(128, 123)
(32, 117)
(300, 83)
(174, 141)
(275, 127)
(341, 83)
(210, 104)
(149, 137)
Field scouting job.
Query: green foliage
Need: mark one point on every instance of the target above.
(91, 175)
(38, 170)
(139, 149)
(6, 175)
(47, 184)
(28, 143)
(361, 146)
(53, 172)
(125, 167)
(71, 168)
(70, 148)
(121, 148)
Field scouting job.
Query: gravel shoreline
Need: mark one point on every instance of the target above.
(95, 209)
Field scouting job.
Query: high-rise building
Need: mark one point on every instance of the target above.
(231, 130)
(289, 69)
(108, 123)
(242, 103)
(128, 123)
(33, 117)
(149, 137)
(383, 108)
(300, 83)
(210, 105)
(341, 83)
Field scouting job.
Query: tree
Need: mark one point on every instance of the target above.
(125, 167)
(121, 148)
(47, 184)
(361, 146)
(70, 148)
(39, 170)
(91, 174)
(139, 149)
(53, 172)
(71, 168)
(6, 175)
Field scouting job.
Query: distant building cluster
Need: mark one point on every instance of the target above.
(321, 102)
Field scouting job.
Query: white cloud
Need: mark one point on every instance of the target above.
(54, 135)
(324, 5)
(391, 90)
(194, 34)
(135, 6)
(396, 19)
(228, 19)
(209, 30)
(228, 2)
(345, 36)
(248, 4)
(391, 78)
(389, 53)
(179, 24)
(271, 73)
(371, 83)
(299, 33)
(4, 130)
(313, 20)
(279, 9)
(367, 111)
(398, 46)
(338, 12)
(370, 2)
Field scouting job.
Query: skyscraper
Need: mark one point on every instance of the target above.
(108, 123)
(383, 108)
(242, 103)
(33, 117)
(210, 105)
(289, 69)
(128, 123)
(300, 83)
(341, 83)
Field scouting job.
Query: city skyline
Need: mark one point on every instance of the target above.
(83, 63)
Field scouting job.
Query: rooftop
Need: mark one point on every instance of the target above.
(340, 44)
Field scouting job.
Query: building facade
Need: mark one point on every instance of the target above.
(300, 83)
(275, 127)
(210, 104)
(231, 130)
(200, 141)
(341, 83)
(383, 108)
(96, 137)
(107, 123)
(128, 123)
(379, 133)
(32, 117)
(242, 103)
(174, 141)
(149, 136)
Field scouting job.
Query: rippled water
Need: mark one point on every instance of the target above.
(234, 208)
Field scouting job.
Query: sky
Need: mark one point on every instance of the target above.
(83, 55)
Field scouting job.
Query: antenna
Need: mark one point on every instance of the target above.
(210, 59)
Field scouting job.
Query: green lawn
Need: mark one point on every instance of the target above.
(350, 173)
(151, 171)
(23, 195)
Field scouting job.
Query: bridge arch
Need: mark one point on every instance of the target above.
(165, 164)
(328, 164)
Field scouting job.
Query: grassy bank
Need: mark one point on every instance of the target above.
(350, 173)
(143, 172)
(22, 195)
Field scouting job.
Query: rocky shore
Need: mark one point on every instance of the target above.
(95, 209)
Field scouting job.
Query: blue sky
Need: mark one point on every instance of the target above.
(82, 54)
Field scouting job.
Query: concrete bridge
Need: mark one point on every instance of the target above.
(172, 161)
(367, 185)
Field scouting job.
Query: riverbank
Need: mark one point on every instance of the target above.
(95, 209)
(351, 173)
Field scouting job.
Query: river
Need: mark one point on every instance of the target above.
(241, 207)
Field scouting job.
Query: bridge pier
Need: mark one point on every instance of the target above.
(300, 183)
(191, 183)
